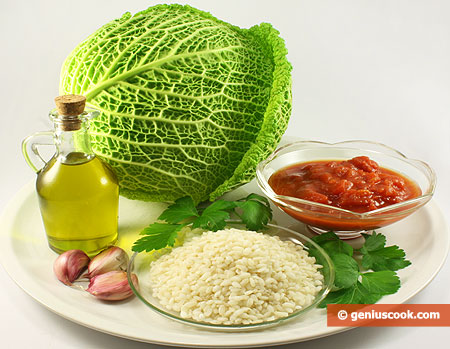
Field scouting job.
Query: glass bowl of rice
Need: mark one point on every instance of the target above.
(234, 279)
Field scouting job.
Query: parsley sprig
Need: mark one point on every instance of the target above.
(365, 282)
(254, 211)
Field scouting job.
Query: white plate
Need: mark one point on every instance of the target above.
(26, 257)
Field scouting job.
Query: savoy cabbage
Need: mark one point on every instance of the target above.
(190, 104)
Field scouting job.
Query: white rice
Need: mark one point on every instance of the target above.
(235, 277)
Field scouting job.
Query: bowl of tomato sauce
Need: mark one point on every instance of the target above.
(347, 187)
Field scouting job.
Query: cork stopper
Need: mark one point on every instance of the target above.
(69, 107)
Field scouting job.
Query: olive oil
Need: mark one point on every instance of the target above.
(78, 192)
(79, 203)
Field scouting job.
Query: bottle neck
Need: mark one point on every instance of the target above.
(73, 144)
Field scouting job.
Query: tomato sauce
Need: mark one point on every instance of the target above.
(357, 185)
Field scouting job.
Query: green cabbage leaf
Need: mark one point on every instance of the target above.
(190, 104)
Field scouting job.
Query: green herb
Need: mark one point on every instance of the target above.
(355, 284)
(378, 257)
(157, 236)
(347, 270)
(254, 211)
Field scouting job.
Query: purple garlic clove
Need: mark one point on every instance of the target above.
(111, 286)
(113, 258)
(69, 266)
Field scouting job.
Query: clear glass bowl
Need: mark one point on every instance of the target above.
(347, 224)
(140, 264)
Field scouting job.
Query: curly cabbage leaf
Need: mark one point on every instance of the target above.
(190, 104)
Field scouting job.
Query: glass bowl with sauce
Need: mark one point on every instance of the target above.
(347, 187)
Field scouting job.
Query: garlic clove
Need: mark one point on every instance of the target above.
(111, 286)
(113, 258)
(69, 266)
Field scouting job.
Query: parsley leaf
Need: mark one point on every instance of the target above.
(258, 197)
(356, 294)
(183, 208)
(346, 270)
(353, 283)
(381, 282)
(157, 236)
(378, 257)
(337, 246)
(255, 214)
(374, 241)
(329, 236)
(331, 243)
(215, 215)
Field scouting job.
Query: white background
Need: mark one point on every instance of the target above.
(362, 69)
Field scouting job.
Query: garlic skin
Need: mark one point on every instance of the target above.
(69, 266)
(111, 286)
(113, 258)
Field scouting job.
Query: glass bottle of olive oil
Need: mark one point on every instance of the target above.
(78, 192)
